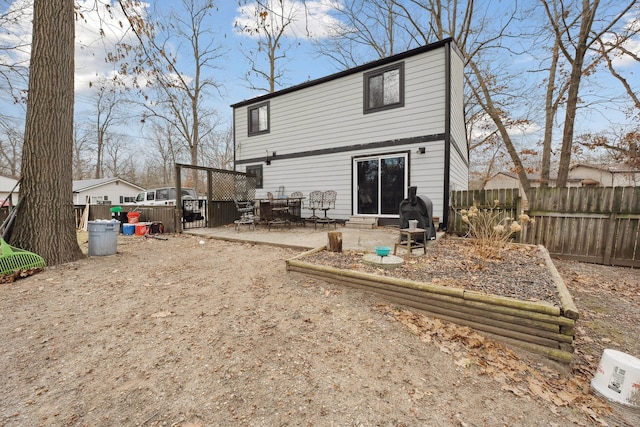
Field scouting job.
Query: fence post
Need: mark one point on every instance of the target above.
(611, 233)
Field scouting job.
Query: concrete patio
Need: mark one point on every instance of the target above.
(298, 237)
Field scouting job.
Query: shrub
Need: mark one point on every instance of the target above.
(491, 229)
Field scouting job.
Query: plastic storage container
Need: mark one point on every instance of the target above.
(103, 237)
(128, 229)
(133, 217)
(141, 229)
(618, 378)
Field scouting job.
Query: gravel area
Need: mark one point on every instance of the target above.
(521, 272)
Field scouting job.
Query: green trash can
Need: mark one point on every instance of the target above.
(103, 237)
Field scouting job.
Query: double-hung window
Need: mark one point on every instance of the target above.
(384, 88)
(258, 119)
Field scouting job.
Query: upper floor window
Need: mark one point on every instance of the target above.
(258, 119)
(384, 88)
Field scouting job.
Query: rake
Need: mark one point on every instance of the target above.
(14, 259)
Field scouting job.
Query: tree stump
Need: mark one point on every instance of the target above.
(335, 241)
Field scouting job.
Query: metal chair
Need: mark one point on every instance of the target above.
(315, 202)
(279, 211)
(246, 210)
(295, 206)
(328, 202)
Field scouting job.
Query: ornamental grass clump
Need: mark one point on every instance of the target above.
(491, 229)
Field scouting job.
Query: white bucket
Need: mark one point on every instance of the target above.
(618, 378)
(413, 224)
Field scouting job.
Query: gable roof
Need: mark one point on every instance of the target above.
(615, 168)
(7, 184)
(534, 177)
(88, 184)
(358, 69)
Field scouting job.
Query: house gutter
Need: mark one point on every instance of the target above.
(233, 124)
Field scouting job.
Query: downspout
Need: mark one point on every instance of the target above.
(233, 123)
(447, 134)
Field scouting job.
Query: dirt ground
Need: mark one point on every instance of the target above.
(184, 333)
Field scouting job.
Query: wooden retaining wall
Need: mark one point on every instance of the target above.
(538, 327)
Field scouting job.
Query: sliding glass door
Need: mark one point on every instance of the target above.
(380, 183)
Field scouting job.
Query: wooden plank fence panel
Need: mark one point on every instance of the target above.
(593, 224)
(509, 201)
(599, 224)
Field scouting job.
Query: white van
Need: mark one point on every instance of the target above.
(166, 196)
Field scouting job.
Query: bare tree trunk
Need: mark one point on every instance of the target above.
(549, 114)
(483, 95)
(581, 47)
(45, 223)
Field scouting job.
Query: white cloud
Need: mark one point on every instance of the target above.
(100, 25)
(632, 26)
(310, 19)
(485, 126)
(15, 37)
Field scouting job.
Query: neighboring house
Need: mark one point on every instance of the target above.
(7, 185)
(579, 176)
(368, 133)
(605, 175)
(511, 180)
(112, 191)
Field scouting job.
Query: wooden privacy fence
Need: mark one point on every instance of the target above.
(164, 214)
(508, 199)
(597, 224)
(591, 224)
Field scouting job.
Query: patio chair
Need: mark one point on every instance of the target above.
(245, 208)
(295, 206)
(247, 217)
(279, 211)
(315, 203)
(328, 202)
(296, 195)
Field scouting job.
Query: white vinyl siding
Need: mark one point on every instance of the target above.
(459, 170)
(334, 172)
(330, 115)
(458, 130)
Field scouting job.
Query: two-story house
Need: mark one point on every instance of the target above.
(368, 133)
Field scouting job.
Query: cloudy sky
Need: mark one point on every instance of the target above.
(92, 48)
(311, 21)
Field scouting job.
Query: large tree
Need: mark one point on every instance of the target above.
(45, 221)
(267, 21)
(176, 58)
(578, 29)
(526, 66)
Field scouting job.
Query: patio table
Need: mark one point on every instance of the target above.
(293, 213)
